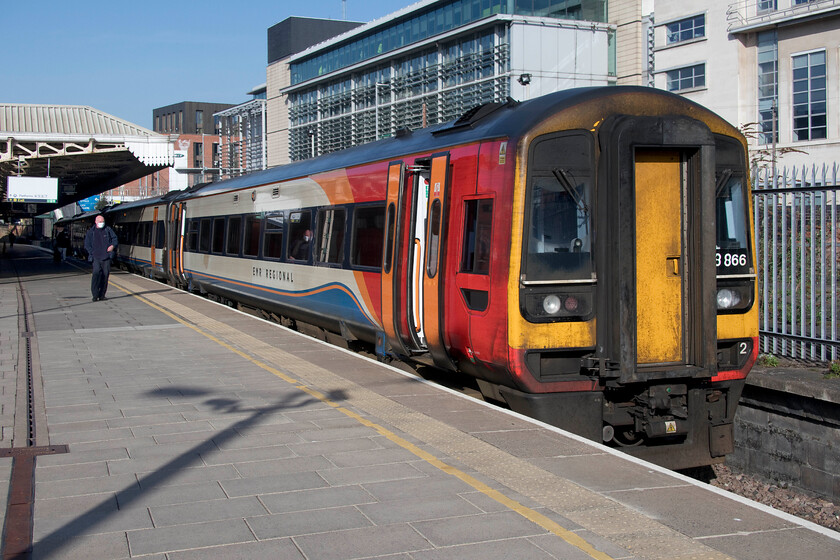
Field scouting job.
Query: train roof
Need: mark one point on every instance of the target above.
(510, 119)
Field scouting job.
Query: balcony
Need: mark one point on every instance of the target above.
(754, 15)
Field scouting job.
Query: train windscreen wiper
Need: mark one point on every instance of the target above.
(562, 177)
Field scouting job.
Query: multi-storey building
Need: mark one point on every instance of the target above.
(769, 66)
(430, 62)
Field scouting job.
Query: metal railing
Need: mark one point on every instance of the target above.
(748, 13)
(797, 238)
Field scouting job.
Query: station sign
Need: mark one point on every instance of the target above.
(32, 189)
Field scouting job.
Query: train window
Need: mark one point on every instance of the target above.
(389, 249)
(330, 237)
(251, 245)
(558, 224)
(434, 239)
(300, 236)
(160, 236)
(218, 235)
(478, 222)
(368, 231)
(234, 235)
(145, 234)
(204, 235)
(731, 209)
(273, 235)
(192, 235)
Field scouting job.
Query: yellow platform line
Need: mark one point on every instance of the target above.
(535, 517)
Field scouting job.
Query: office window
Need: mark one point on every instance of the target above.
(198, 154)
(199, 122)
(686, 29)
(809, 96)
(766, 5)
(768, 81)
(690, 77)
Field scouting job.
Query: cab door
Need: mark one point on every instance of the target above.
(660, 244)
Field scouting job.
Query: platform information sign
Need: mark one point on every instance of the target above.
(32, 189)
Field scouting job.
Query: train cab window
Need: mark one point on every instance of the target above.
(558, 220)
(273, 235)
(478, 222)
(251, 244)
(192, 235)
(330, 236)
(204, 235)
(732, 228)
(234, 235)
(368, 231)
(160, 235)
(300, 236)
(218, 235)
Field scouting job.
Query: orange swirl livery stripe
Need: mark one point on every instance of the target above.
(365, 309)
(336, 185)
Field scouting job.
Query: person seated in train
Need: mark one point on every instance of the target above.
(300, 250)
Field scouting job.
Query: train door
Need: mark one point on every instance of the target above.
(404, 250)
(660, 243)
(672, 324)
(175, 266)
(154, 239)
(433, 286)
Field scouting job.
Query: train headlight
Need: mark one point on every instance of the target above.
(727, 299)
(551, 305)
(735, 297)
(542, 304)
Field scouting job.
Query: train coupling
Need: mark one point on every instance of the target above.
(662, 411)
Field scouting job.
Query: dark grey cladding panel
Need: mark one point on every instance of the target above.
(295, 34)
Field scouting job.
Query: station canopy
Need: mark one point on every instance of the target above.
(88, 151)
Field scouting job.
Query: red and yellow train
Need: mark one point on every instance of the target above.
(587, 256)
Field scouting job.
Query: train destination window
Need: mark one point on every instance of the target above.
(300, 236)
(234, 235)
(558, 217)
(330, 236)
(204, 235)
(368, 231)
(478, 222)
(251, 245)
(218, 235)
(273, 235)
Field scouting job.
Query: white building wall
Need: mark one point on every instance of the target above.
(717, 51)
(558, 55)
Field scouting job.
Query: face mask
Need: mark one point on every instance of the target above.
(306, 238)
(100, 225)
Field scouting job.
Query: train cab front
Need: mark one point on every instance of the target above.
(631, 316)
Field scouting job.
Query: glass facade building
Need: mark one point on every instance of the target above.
(428, 65)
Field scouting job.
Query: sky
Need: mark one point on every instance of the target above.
(127, 58)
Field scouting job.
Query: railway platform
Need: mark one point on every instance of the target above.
(157, 424)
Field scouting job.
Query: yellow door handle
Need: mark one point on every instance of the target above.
(673, 265)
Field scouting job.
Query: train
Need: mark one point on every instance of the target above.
(587, 256)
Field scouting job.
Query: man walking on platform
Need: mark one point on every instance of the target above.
(101, 247)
